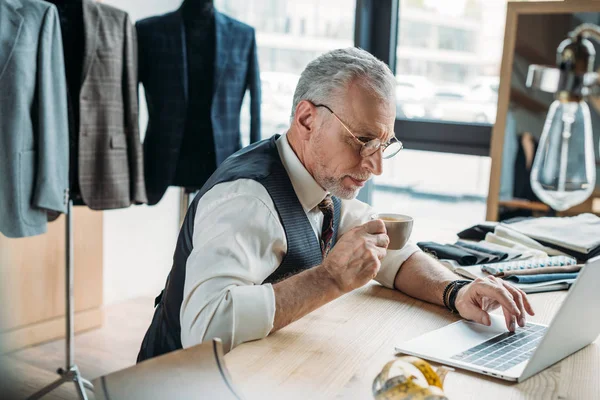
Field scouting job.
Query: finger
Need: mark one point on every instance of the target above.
(481, 316)
(375, 269)
(374, 254)
(509, 319)
(488, 304)
(381, 240)
(492, 305)
(381, 252)
(497, 292)
(474, 312)
(519, 300)
(375, 273)
(375, 227)
(526, 302)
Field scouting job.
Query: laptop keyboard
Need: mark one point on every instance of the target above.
(506, 350)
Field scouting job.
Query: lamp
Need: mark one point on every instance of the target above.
(564, 171)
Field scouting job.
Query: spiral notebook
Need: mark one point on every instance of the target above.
(478, 271)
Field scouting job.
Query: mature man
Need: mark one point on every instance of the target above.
(276, 232)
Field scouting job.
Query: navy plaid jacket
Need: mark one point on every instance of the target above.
(163, 72)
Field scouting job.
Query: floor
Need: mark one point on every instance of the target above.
(112, 347)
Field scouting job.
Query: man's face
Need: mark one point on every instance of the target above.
(339, 167)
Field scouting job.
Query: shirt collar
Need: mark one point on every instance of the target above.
(309, 192)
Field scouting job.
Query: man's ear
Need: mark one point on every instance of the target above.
(305, 119)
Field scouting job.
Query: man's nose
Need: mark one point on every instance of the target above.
(374, 163)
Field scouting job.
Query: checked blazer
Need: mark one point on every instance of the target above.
(110, 159)
(163, 72)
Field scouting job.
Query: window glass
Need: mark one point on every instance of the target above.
(289, 34)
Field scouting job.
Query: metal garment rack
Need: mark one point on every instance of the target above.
(70, 373)
(185, 200)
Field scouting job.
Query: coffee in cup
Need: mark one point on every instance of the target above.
(399, 228)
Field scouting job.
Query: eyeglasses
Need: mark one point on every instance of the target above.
(369, 145)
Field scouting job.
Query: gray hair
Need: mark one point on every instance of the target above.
(326, 77)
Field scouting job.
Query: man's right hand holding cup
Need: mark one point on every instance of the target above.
(356, 257)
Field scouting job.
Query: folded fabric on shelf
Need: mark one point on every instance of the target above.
(500, 255)
(508, 233)
(482, 257)
(512, 253)
(580, 233)
(582, 257)
(446, 251)
(541, 277)
(477, 232)
(526, 252)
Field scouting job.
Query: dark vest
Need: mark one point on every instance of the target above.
(259, 162)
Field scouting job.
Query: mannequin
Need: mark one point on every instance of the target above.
(71, 24)
(198, 8)
(195, 64)
(197, 161)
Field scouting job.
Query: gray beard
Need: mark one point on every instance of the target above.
(336, 188)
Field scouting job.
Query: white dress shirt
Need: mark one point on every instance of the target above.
(239, 241)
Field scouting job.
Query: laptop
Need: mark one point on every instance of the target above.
(197, 372)
(492, 350)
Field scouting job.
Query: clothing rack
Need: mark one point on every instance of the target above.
(187, 196)
(71, 372)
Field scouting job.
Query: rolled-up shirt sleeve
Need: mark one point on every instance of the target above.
(237, 243)
(392, 263)
(355, 213)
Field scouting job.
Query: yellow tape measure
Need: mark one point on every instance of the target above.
(409, 378)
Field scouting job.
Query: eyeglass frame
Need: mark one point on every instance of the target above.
(377, 142)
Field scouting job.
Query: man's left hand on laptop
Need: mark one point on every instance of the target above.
(476, 299)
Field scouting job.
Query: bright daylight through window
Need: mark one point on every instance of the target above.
(448, 62)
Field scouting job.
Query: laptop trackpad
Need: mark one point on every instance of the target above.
(454, 338)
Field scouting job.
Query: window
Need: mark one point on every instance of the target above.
(416, 34)
(289, 34)
(448, 56)
(447, 66)
(451, 43)
(444, 192)
(456, 39)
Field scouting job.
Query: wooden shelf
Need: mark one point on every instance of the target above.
(524, 204)
(533, 55)
(527, 102)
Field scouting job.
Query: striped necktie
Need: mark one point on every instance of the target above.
(326, 207)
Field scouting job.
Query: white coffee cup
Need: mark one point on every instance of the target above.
(398, 226)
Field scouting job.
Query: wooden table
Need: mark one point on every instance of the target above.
(336, 351)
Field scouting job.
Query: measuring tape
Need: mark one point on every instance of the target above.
(409, 378)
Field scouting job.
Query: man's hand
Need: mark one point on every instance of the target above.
(356, 257)
(475, 300)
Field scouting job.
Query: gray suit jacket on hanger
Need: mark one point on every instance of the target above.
(34, 144)
(110, 159)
